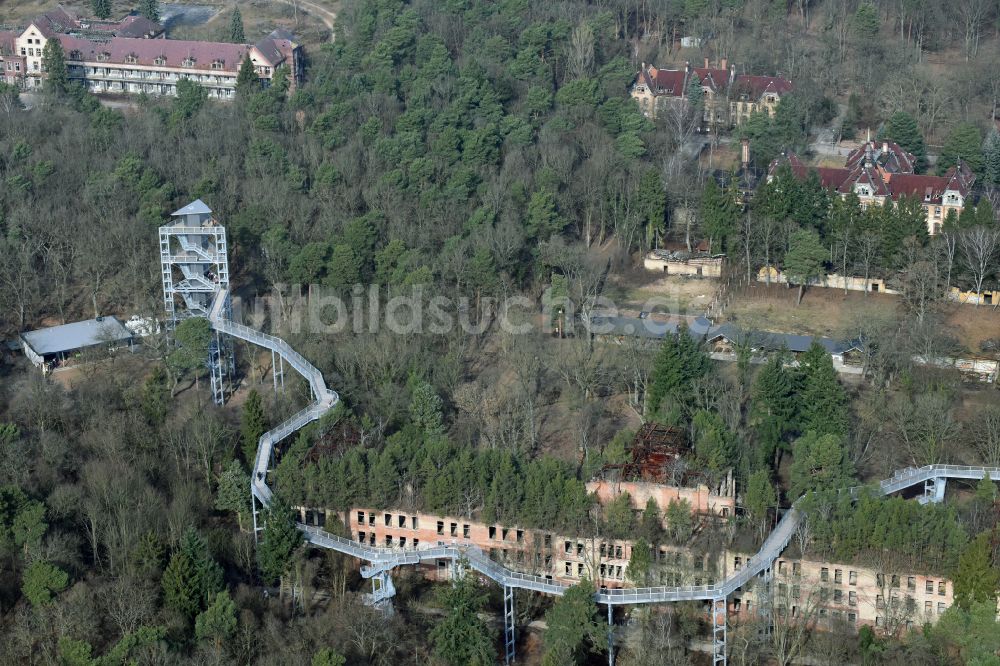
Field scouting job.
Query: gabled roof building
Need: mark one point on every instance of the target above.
(729, 98)
(123, 58)
(878, 173)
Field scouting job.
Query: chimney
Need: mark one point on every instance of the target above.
(706, 63)
(745, 153)
(885, 147)
(724, 63)
(732, 74)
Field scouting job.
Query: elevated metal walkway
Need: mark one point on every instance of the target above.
(383, 560)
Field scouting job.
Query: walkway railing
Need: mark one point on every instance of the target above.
(384, 559)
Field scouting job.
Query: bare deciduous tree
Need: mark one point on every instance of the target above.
(979, 247)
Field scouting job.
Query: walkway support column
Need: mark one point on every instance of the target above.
(508, 624)
(611, 636)
(719, 631)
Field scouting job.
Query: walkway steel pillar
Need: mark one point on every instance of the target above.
(719, 631)
(611, 636)
(764, 598)
(508, 624)
(934, 490)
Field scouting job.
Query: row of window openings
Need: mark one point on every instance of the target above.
(606, 550)
(369, 538)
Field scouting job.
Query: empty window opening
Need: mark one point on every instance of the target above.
(413, 523)
(401, 522)
(361, 517)
(466, 532)
(440, 527)
(454, 529)
(520, 536)
(493, 532)
(388, 520)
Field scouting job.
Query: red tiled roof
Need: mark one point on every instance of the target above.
(664, 81)
(273, 50)
(929, 189)
(674, 81)
(759, 85)
(887, 154)
(147, 51)
(713, 78)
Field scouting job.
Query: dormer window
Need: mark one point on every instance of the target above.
(75, 55)
(188, 62)
(103, 56)
(218, 64)
(131, 59)
(863, 191)
(160, 61)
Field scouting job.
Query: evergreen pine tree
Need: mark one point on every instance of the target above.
(254, 424)
(652, 200)
(901, 128)
(461, 637)
(150, 9)
(236, 33)
(976, 579)
(101, 8)
(208, 573)
(279, 542)
(678, 364)
(54, 64)
(822, 399)
(718, 214)
(180, 585)
(572, 626)
(679, 520)
(233, 493)
(327, 657)
(819, 462)
(651, 525)
(991, 158)
(772, 411)
(964, 143)
(758, 500)
(640, 563)
(619, 516)
(41, 580)
(696, 99)
(217, 623)
(804, 259)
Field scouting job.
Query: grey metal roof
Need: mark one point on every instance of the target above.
(644, 327)
(196, 207)
(776, 341)
(76, 335)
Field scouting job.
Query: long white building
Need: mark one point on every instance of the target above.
(142, 64)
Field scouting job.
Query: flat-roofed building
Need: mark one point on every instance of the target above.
(48, 347)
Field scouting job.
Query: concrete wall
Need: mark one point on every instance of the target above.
(830, 281)
(702, 267)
